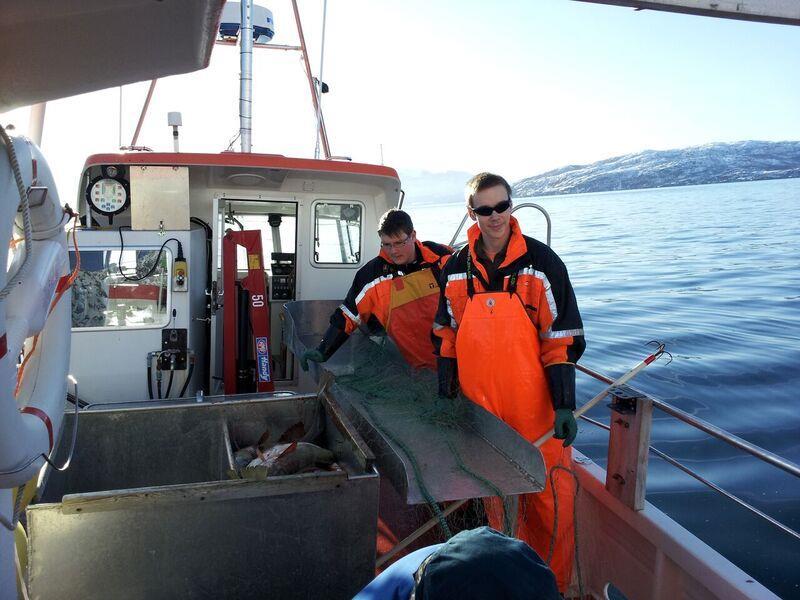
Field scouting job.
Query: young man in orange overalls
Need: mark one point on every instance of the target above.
(400, 289)
(509, 332)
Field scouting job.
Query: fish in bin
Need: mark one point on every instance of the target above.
(291, 455)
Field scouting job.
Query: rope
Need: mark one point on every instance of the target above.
(574, 521)
(12, 526)
(23, 586)
(507, 524)
(26, 215)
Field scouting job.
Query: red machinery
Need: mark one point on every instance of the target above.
(245, 346)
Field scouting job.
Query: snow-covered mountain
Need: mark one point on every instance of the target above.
(710, 163)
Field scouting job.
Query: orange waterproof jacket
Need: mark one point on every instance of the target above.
(542, 283)
(374, 296)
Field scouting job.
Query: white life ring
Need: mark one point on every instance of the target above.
(30, 420)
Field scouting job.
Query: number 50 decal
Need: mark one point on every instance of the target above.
(257, 300)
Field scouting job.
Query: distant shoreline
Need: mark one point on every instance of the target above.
(659, 187)
(652, 169)
(433, 202)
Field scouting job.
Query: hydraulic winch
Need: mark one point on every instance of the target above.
(246, 344)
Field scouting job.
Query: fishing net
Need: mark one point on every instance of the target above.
(390, 386)
(393, 394)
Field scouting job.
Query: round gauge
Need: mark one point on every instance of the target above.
(108, 196)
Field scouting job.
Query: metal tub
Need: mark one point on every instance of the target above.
(147, 508)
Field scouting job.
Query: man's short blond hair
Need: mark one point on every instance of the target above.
(483, 181)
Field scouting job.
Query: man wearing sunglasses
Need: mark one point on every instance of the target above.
(509, 332)
(399, 288)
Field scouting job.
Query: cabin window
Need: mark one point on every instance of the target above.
(337, 233)
(102, 297)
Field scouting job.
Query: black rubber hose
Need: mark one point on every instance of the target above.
(155, 264)
(158, 388)
(150, 379)
(188, 378)
(169, 383)
(209, 247)
(71, 398)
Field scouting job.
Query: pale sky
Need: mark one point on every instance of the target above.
(517, 87)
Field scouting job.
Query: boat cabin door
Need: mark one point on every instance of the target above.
(276, 220)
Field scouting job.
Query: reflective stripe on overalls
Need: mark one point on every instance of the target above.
(412, 308)
(500, 369)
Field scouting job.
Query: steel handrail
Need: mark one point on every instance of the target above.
(708, 483)
(460, 227)
(712, 430)
(513, 210)
(541, 210)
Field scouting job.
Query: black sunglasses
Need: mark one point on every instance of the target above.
(499, 208)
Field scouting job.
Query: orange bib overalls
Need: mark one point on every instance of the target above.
(500, 369)
(412, 308)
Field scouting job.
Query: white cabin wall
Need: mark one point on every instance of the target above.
(93, 360)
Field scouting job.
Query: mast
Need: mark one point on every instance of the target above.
(246, 76)
(36, 122)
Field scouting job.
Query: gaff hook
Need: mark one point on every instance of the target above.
(658, 353)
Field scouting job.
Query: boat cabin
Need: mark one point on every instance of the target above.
(317, 225)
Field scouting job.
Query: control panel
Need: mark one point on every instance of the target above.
(174, 349)
(283, 276)
(180, 275)
(108, 191)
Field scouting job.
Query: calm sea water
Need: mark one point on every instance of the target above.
(714, 272)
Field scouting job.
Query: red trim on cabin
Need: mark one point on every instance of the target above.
(238, 159)
(3, 345)
(38, 412)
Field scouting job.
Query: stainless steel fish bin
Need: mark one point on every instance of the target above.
(147, 508)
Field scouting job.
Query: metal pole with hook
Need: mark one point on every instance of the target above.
(618, 382)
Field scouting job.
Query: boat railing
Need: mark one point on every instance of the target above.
(513, 210)
(626, 471)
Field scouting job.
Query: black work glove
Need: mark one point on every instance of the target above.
(448, 377)
(331, 342)
(313, 356)
(565, 428)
